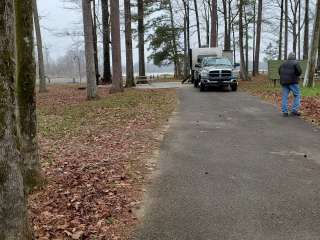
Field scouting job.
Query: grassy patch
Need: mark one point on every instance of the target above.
(262, 85)
(264, 88)
(55, 122)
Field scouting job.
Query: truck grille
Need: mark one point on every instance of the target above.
(225, 73)
(220, 74)
(214, 74)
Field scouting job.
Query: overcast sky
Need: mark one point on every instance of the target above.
(56, 19)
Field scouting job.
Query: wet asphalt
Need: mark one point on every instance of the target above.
(232, 168)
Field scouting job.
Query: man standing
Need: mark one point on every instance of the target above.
(289, 72)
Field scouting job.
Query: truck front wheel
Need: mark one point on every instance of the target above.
(202, 87)
(234, 87)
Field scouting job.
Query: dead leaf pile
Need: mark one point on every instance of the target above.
(95, 169)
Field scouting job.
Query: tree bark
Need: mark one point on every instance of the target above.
(13, 200)
(198, 23)
(281, 31)
(116, 48)
(89, 50)
(25, 91)
(254, 33)
(128, 35)
(311, 66)
(246, 39)
(174, 43)
(214, 24)
(106, 41)
(227, 39)
(299, 31)
(306, 31)
(258, 40)
(243, 72)
(42, 77)
(286, 30)
(95, 42)
(186, 69)
(142, 66)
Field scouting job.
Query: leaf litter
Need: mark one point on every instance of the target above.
(93, 156)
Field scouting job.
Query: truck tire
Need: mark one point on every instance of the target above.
(202, 88)
(234, 87)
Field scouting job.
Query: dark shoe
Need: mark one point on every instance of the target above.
(285, 114)
(296, 114)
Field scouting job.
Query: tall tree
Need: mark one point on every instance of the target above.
(311, 66)
(142, 67)
(25, 90)
(42, 77)
(294, 6)
(226, 4)
(198, 22)
(281, 30)
(89, 49)
(128, 35)
(116, 48)
(95, 41)
(286, 28)
(306, 31)
(174, 42)
(243, 71)
(186, 39)
(258, 40)
(106, 41)
(13, 211)
(214, 16)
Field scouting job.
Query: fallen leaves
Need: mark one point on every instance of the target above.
(93, 159)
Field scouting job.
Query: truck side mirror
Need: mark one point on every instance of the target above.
(237, 65)
(198, 65)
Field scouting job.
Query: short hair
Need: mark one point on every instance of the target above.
(292, 56)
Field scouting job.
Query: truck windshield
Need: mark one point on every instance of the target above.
(217, 61)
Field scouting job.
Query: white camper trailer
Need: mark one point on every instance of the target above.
(198, 54)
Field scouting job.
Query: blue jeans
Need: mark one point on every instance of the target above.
(286, 89)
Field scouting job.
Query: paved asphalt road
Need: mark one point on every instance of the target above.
(231, 168)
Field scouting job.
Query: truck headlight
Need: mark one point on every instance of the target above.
(204, 74)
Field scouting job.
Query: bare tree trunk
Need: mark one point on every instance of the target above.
(243, 72)
(214, 24)
(128, 35)
(198, 23)
(286, 30)
(25, 91)
(42, 77)
(117, 85)
(254, 33)
(13, 200)
(174, 43)
(306, 31)
(227, 39)
(299, 31)
(312, 61)
(185, 36)
(258, 40)
(106, 41)
(89, 49)
(142, 66)
(294, 9)
(319, 55)
(95, 42)
(246, 40)
(281, 31)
